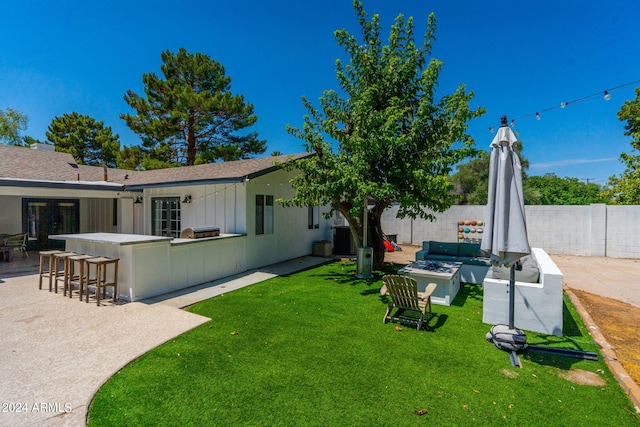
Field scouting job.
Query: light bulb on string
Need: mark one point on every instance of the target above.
(491, 129)
(563, 104)
(513, 123)
(537, 116)
(607, 95)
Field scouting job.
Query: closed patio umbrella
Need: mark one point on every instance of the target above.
(505, 232)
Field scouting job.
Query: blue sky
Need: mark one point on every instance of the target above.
(517, 57)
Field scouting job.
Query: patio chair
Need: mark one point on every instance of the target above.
(18, 242)
(404, 294)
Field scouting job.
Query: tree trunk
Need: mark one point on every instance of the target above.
(374, 231)
(191, 141)
(375, 236)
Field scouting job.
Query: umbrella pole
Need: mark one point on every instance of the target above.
(512, 296)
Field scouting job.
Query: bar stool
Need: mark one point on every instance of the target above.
(46, 257)
(79, 279)
(100, 281)
(58, 274)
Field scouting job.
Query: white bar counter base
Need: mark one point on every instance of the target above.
(445, 274)
(154, 265)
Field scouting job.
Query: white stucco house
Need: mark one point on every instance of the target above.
(45, 193)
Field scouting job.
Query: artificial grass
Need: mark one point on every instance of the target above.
(311, 349)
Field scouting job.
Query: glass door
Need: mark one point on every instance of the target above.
(44, 217)
(165, 216)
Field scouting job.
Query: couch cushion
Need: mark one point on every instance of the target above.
(442, 248)
(470, 250)
(529, 273)
(437, 257)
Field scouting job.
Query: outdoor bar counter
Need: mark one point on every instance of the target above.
(153, 265)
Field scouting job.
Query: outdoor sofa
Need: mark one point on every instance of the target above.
(474, 264)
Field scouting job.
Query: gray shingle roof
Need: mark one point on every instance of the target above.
(42, 165)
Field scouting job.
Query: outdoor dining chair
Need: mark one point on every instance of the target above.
(18, 242)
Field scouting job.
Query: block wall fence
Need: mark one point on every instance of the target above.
(592, 230)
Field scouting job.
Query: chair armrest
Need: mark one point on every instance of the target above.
(427, 292)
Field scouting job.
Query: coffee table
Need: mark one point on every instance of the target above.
(445, 274)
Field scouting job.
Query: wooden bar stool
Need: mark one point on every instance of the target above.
(46, 258)
(100, 281)
(60, 274)
(81, 278)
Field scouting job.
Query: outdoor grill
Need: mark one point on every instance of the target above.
(199, 232)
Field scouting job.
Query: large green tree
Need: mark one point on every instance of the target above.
(624, 189)
(189, 115)
(12, 122)
(385, 137)
(554, 190)
(472, 179)
(88, 140)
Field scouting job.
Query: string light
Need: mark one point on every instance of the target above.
(607, 97)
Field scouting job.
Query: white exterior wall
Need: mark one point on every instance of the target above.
(96, 216)
(231, 207)
(11, 214)
(219, 205)
(291, 236)
(96, 208)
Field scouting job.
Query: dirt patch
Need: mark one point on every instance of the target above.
(582, 377)
(509, 374)
(618, 322)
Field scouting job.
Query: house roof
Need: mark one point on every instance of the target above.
(44, 168)
(234, 171)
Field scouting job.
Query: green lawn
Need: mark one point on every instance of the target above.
(311, 349)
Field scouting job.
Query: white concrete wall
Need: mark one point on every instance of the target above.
(592, 230)
(537, 306)
(623, 232)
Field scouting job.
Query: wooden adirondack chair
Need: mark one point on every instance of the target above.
(404, 294)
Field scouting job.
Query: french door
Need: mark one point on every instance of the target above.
(44, 217)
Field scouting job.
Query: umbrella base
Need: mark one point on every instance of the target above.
(506, 338)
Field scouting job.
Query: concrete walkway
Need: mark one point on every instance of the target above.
(608, 277)
(56, 352)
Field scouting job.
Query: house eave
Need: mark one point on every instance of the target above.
(72, 185)
(140, 187)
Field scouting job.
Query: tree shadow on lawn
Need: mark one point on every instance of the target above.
(467, 291)
(348, 276)
(410, 319)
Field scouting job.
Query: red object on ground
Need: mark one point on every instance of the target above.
(388, 246)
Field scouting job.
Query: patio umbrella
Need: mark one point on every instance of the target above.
(505, 231)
